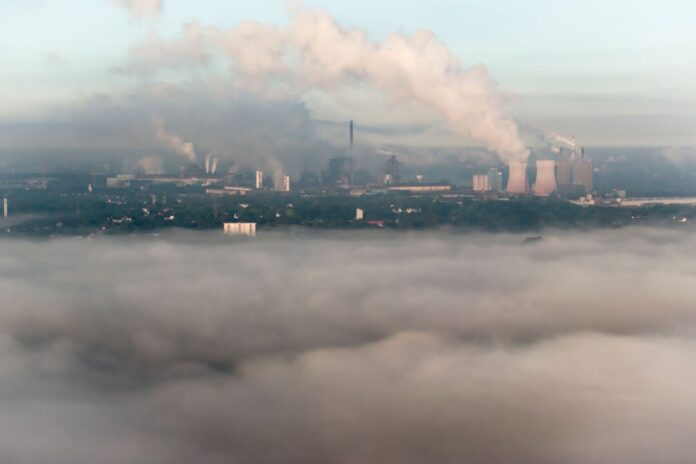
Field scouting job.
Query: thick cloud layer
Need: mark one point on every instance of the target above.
(361, 348)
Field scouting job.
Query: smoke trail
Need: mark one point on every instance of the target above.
(559, 139)
(141, 8)
(152, 165)
(175, 142)
(315, 51)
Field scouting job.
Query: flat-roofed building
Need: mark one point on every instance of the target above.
(480, 183)
(420, 188)
(246, 229)
(583, 174)
(495, 180)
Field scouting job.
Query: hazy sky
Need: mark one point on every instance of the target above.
(614, 72)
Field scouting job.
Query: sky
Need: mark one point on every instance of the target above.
(613, 72)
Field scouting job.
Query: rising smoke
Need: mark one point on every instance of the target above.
(175, 142)
(152, 165)
(316, 52)
(349, 349)
(142, 9)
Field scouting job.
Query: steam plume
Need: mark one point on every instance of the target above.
(152, 165)
(141, 9)
(315, 51)
(175, 142)
(562, 140)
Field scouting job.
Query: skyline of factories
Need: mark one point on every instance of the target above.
(564, 169)
(416, 71)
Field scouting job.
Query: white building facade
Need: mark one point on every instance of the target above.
(244, 229)
(480, 183)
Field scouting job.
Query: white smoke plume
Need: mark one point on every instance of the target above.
(316, 52)
(562, 140)
(277, 172)
(142, 9)
(175, 142)
(152, 165)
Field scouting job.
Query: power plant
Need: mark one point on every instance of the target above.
(495, 180)
(570, 176)
(546, 178)
(582, 172)
(517, 182)
(563, 169)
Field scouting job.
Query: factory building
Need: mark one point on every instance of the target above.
(583, 172)
(495, 180)
(574, 173)
(120, 181)
(420, 188)
(480, 183)
(546, 178)
(244, 229)
(563, 170)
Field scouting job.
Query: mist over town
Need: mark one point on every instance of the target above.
(342, 233)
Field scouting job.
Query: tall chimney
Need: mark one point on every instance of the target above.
(352, 140)
(517, 182)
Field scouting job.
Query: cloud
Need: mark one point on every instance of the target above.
(349, 348)
(142, 9)
(234, 125)
(315, 52)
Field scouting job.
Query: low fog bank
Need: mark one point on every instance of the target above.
(349, 348)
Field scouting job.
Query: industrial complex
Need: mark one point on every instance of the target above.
(551, 187)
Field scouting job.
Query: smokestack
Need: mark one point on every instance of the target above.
(517, 182)
(546, 178)
(352, 139)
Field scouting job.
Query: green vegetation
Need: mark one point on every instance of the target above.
(67, 208)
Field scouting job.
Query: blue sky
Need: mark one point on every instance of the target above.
(561, 62)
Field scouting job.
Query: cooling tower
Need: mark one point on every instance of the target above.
(546, 178)
(517, 183)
